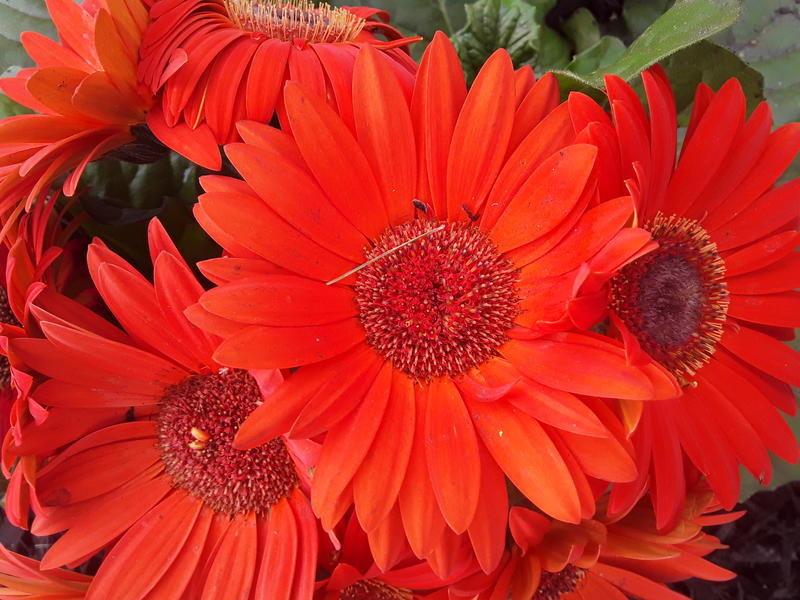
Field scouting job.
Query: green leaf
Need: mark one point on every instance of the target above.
(515, 25)
(122, 197)
(141, 187)
(17, 16)
(598, 56)
(9, 108)
(712, 64)
(640, 14)
(582, 28)
(686, 23)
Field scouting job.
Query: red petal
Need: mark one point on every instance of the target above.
(527, 455)
(774, 209)
(487, 532)
(286, 347)
(570, 365)
(198, 144)
(273, 239)
(278, 536)
(439, 94)
(265, 79)
(280, 300)
(761, 253)
(120, 512)
(276, 415)
(781, 310)
(84, 359)
(595, 228)
(422, 520)
(233, 567)
(708, 147)
(545, 198)
(292, 192)
(345, 448)
(385, 133)
(336, 160)
(480, 137)
(95, 471)
(378, 479)
(540, 100)
(451, 450)
(147, 549)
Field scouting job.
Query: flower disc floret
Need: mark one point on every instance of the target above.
(198, 420)
(288, 20)
(674, 300)
(372, 589)
(440, 304)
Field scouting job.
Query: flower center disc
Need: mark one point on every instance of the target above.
(674, 299)
(288, 20)
(371, 589)
(6, 316)
(438, 305)
(553, 586)
(198, 420)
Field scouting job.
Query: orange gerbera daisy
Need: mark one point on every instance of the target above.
(22, 577)
(182, 513)
(598, 560)
(216, 62)
(405, 269)
(89, 99)
(717, 298)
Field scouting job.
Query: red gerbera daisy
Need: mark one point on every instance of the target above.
(89, 99)
(38, 251)
(182, 513)
(594, 560)
(220, 61)
(405, 270)
(717, 298)
(22, 577)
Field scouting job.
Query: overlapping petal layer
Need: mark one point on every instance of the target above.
(425, 413)
(737, 372)
(182, 513)
(212, 64)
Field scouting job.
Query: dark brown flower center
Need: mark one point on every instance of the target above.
(198, 420)
(372, 589)
(554, 585)
(439, 298)
(6, 316)
(674, 299)
(290, 20)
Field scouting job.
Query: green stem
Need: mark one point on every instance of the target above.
(448, 24)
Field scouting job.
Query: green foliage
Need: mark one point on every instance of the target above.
(122, 197)
(515, 25)
(593, 51)
(17, 16)
(640, 14)
(687, 22)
